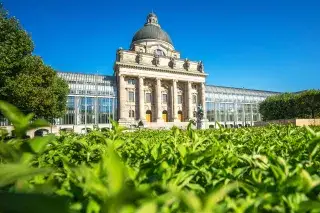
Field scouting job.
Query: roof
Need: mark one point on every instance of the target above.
(152, 30)
(82, 77)
(234, 90)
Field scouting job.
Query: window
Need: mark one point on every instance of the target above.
(159, 52)
(194, 99)
(164, 98)
(194, 86)
(131, 96)
(148, 97)
(131, 113)
(132, 81)
(179, 99)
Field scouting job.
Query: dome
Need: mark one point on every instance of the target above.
(152, 30)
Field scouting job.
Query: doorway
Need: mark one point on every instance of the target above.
(180, 116)
(165, 116)
(148, 116)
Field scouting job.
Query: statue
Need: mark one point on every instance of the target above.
(186, 64)
(172, 62)
(120, 54)
(139, 58)
(200, 66)
(156, 60)
(199, 117)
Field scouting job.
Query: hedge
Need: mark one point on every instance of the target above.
(304, 104)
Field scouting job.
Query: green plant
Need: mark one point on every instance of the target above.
(263, 169)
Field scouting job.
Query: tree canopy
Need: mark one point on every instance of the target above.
(25, 80)
(305, 104)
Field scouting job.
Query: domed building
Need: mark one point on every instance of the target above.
(155, 85)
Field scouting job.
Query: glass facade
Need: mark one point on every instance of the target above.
(93, 100)
(234, 106)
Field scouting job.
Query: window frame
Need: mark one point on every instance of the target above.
(194, 99)
(133, 96)
(162, 99)
(180, 99)
(145, 97)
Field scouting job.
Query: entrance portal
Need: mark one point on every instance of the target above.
(165, 116)
(180, 116)
(148, 116)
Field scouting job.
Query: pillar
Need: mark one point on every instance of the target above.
(251, 114)
(190, 114)
(235, 113)
(175, 101)
(122, 98)
(244, 121)
(158, 94)
(203, 100)
(141, 99)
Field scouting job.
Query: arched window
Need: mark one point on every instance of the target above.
(131, 113)
(159, 52)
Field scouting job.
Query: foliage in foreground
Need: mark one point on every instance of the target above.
(270, 169)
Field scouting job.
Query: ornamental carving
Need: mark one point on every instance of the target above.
(150, 84)
(200, 66)
(180, 87)
(172, 62)
(186, 64)
(165, 85)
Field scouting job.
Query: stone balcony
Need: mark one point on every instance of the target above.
(146, 59)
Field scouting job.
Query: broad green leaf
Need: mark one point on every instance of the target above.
(9, 173)
(149, 207)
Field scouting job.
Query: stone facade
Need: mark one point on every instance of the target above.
(155, 84)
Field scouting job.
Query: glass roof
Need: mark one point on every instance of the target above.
(238, 91)
(80, 77)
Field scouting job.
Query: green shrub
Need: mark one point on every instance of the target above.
(291, 105)
(263, 169)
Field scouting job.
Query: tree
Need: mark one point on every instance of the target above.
(309, 103)
(25, 80)
(304, 104)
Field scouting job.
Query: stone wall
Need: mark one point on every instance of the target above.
(295, 122)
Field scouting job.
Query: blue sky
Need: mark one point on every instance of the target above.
(268, 45)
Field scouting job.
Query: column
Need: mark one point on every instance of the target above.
(235, 113)
(158, 94)
(189, 101)
(77, 110)
(251, 114)
(175, 101)
(244, 120)
(203, 100)
(122, 98)
(141, 99)
(225, 108)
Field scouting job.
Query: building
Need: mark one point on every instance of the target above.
(153, 84)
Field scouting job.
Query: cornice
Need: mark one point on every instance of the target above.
(160, 69)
